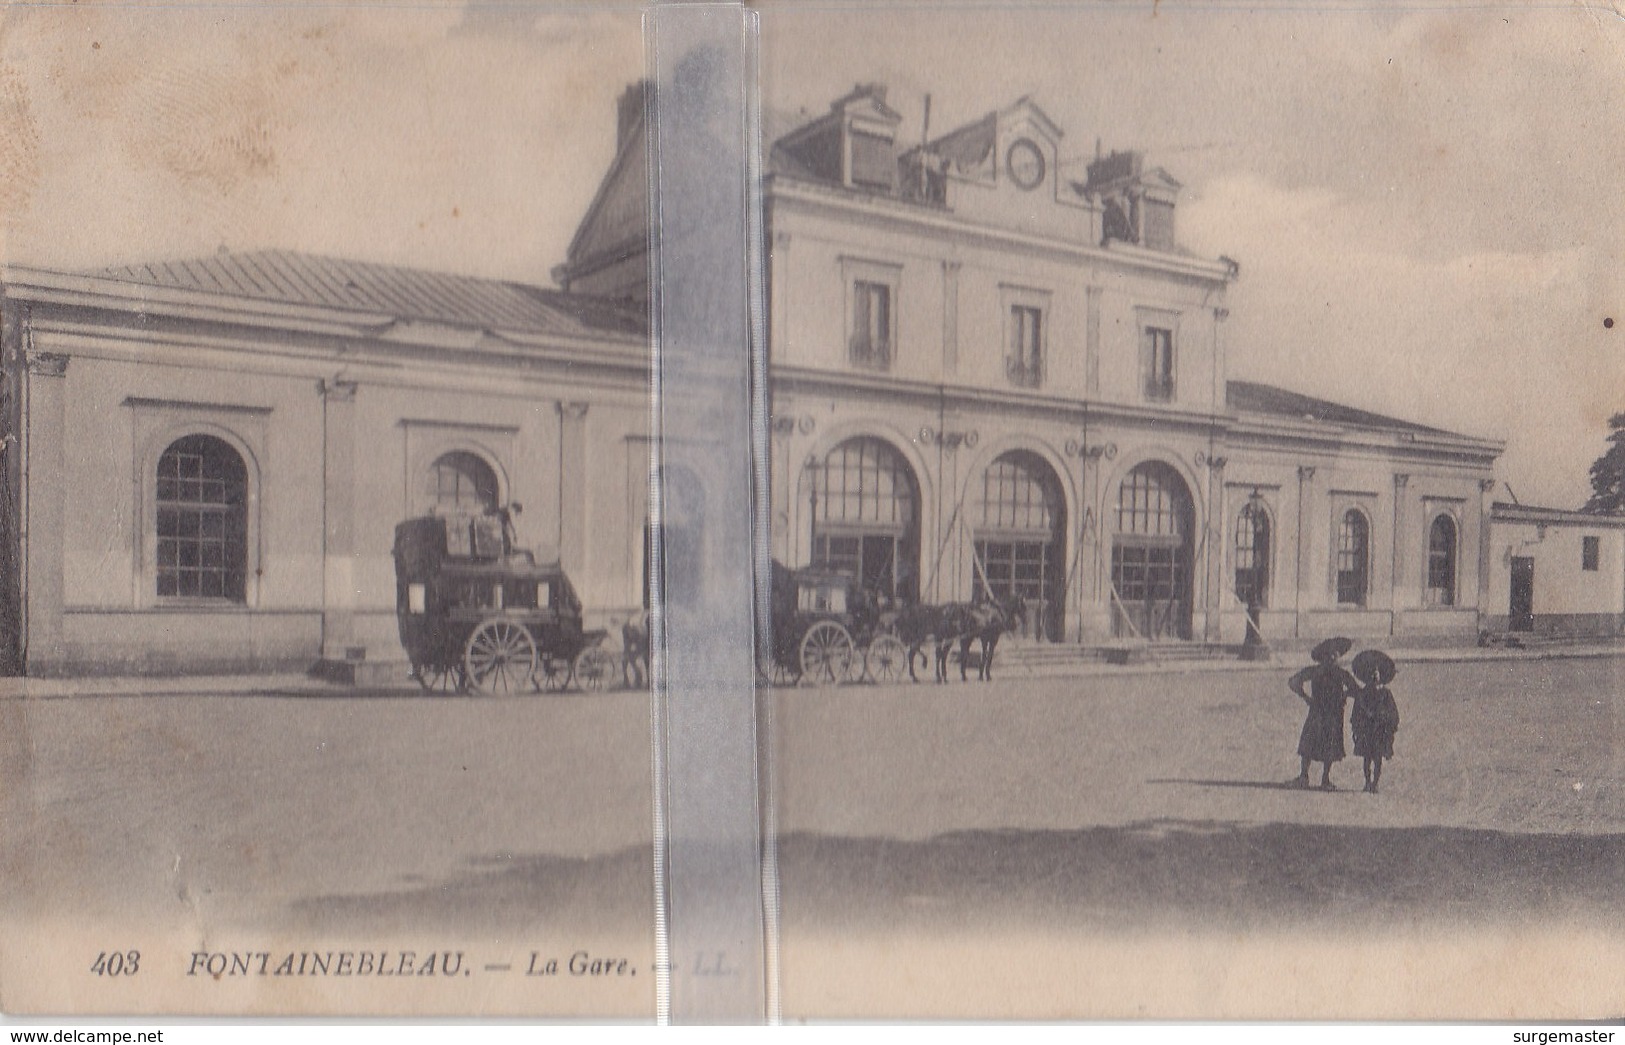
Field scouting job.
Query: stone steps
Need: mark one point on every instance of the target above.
(1044, 658)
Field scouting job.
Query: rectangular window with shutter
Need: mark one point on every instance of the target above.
(870, 343)
(1157, 364)
(1024, 362)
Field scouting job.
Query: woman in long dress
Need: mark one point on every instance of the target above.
(1329, 689)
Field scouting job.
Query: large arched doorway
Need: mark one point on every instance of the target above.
(1020, 528)
(865, 506)
(1152, 555)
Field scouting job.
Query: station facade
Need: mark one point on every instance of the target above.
(987, 374)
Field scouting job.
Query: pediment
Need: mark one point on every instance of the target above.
(1156, 177)
(868, 109)
(1026, 114)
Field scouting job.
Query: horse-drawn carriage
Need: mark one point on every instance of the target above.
(474, 613)
(827, 629)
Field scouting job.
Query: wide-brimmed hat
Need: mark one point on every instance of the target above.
(1331, 649)
(1373, 665)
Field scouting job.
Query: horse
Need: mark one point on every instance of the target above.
(962, 623)
(984, 621)
(635, 646)
(918, 626)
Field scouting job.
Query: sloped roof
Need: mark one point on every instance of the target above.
(777, 125)
(1254, 398)
(969, 145)
(466, 301)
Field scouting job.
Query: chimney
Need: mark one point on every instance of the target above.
(1117, 167)
(628, 111)
(873, 89)
(1138, 204)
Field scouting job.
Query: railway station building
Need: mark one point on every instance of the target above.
(985, 372)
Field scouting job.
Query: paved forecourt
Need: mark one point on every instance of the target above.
(182, 822)
(1120, 845)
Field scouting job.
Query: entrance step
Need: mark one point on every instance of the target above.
(363, 673)
(1039, 658)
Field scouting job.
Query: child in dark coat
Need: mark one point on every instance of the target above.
(1375, 718)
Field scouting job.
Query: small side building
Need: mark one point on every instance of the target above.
(1555, 573)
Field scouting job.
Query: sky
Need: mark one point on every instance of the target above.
(1424, 202)
(463, 140)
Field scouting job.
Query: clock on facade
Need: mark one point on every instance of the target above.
(1025, 161)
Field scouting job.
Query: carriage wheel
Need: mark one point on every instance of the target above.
(499, 658)
(552, 673)
(827, 653)
(771, 671)
(440, 678)
(886, 660)
(595, 667)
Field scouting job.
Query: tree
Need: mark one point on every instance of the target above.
(1608, 473)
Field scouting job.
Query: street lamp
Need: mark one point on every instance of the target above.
(1253, 647)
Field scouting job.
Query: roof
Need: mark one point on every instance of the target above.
(777, 125)
(1254, 398)
(467, 301)
(970, 145)
(1501, 511)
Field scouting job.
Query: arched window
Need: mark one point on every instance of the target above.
(1020, 542)
(1353, 558)
(865, 518)
(1442, 562)
(461, 483)
(1252, 555)
(202, 520)
(462, 487)
(1152, 554)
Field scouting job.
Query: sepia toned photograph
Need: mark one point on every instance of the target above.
(324, 571)
(1195, 507)
(812, 512)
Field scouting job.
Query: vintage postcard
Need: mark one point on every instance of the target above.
(1125, 362)
(812, 512)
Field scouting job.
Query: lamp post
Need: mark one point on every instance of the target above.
(1253, 647)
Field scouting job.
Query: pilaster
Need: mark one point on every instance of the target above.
(1092, 343)
(572, 493)
(338, 521)
(45, 413)
(1405, 589)
(950, 318)
(1212, 566)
